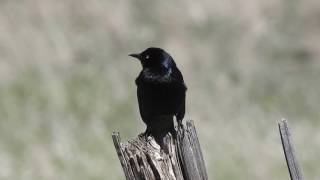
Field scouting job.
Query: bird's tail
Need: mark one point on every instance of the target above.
(159, 127)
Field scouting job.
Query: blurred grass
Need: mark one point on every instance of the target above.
(66, 83)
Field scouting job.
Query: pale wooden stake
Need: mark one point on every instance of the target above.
(288, 149)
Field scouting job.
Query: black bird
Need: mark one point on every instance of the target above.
(161, 91)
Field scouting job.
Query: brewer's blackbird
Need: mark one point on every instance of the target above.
(161, 91)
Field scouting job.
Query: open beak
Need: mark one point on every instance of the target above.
(135, 56)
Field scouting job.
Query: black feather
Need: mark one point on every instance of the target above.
(161, 91)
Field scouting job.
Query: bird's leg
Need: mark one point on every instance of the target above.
(147, 132)
(180, 125)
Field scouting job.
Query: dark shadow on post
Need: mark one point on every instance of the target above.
(142, 158)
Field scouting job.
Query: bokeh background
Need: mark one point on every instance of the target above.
(66, 83)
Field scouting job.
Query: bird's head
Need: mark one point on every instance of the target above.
(154, 58)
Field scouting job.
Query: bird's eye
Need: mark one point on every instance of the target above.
(147, 56)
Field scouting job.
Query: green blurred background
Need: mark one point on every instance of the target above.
(66, 83)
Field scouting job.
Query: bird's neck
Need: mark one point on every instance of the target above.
(155, 75)
(157, 71)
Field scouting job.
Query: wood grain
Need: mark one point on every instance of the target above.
(180, 159)
(288, 149)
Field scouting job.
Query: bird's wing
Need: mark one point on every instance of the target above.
(181, 108)
(178, 78)
(142, 104)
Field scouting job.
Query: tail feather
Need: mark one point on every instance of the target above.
(159, 127)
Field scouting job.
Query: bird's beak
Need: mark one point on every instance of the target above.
(135, 56)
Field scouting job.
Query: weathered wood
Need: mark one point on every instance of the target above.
(116, 140)
(288, 149)
(180, 159)
(190, 152)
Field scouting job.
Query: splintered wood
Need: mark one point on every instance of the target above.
(180, 159)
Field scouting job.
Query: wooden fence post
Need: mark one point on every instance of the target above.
(143, 159)
(292, 163)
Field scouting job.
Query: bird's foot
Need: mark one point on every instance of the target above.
(180, 128)
(180, 125)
